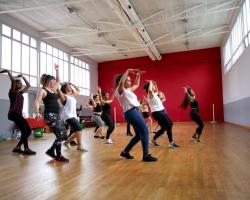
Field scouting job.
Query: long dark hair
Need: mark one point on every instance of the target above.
(63, 88)
(186, 100)
(117, 79)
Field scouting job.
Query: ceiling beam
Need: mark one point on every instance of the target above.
(39, 7)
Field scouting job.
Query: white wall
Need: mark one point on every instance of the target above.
(236, 91)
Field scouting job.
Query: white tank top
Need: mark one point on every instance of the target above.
(128, 99)
(155, 103)
(69, 109)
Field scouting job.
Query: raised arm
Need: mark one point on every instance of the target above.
(13, 84)
(150, 90)
(191, 98)
(76, 92)
(27, 84)
(62, 96)
(99, 91)
(92, 100)
(40, 95)
(137, 80)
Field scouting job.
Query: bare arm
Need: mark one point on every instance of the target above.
(99, 90)
(191, 98)
(150, 90)
(13, 85)
(62, 96)
(40, 95)
(77, 90)
(26, 83)
(92, 100)
(137, 80)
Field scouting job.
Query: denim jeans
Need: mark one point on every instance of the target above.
(134, 117)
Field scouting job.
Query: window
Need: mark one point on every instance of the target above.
(49, 56)
(79, 75)
(18, 54)
(238, 38)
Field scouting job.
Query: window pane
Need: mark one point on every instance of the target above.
(66, 72)
(25, 59)
(87, 80)
(6, 54)
(16, 35)
(33, 62)
(76, 61)
(33, 42)
(71, 59)
(25, 39)
(76, 75)
(83, 65)
(60, 54)
(42, 63)
(6, 30)
(33, 81)
(25, 104)
(72, 73)
(49, 65)
(87, 66)
(61, 69)
(66, 57)
(49, 49)
(55, 52)
(43, 47)
(16, 56)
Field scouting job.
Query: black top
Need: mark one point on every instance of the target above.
(16, 102)
(106, 108)
(194, 105)
(51, 104)
(98, 108)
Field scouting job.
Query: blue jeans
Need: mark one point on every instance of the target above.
(134, 117)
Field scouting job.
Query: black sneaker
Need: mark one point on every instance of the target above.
(126, 155)
(17, 150)
(29, 152)
(101, 137)
(194, 137)
(149, 158)
(129, 134)
(51, 153)
(96, 136)
(73, 143)
(61, 159)
(153, 142)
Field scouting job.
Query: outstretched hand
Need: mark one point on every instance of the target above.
(56, 66)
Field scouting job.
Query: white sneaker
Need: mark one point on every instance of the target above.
(67, 145)
(81, 149)
(109, 141)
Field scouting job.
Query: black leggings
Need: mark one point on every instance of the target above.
(109, 122)
(24, 127)
(194, 114)
(58, 126)
(165, 123)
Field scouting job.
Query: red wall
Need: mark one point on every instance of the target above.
(200, 69)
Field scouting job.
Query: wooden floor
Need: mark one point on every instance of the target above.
(218, 168)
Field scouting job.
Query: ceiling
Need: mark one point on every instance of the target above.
(116, 29)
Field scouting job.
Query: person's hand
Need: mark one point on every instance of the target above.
(56, 67)
(139, 73)
(185, 89)
(99, 89)
(38, 115)
(149, 81)
(19, 76)
(133, 71)
(4, 71)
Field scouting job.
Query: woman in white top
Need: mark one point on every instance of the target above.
(159, 114)
(69, 115)
(130, 105)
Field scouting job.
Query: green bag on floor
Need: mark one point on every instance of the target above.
(39, 132)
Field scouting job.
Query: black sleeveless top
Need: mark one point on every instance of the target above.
(98, 108)
(51, 104)
(194, 105)
(106, 108)
(16, 102)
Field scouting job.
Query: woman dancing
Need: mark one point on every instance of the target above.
(130, 105)
(159, 114)
(106, 115)
(15, 112)
(49, 94)
(69, 115)
(194, 112)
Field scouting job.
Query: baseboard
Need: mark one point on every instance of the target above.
(239, 125)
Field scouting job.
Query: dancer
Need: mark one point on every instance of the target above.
(69, 115)
(95, 105)
(49, 95)
(194, 112)
(15, 112)
(159, 114)
(106, 115)
(130, 105)
(145, 114)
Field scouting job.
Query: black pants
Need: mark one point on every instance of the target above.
(194, 114)
(24, 127)
(109, 122)
(58, 126)
(165, 123)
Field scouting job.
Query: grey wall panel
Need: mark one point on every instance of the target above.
(5, 125)
(238, 112)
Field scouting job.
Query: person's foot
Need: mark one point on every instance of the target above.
(17, 150)
(126, 155)
(102, 137)
(197, 141)
(153, 142)
(51, 153)
(96, 136)
(80, 148)
(194, 137)
(67, 145)
(129, 134)
(61, 159)
(109, 141)
(29, 152)
(73, 143)
(173, 146)
(149, 158)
